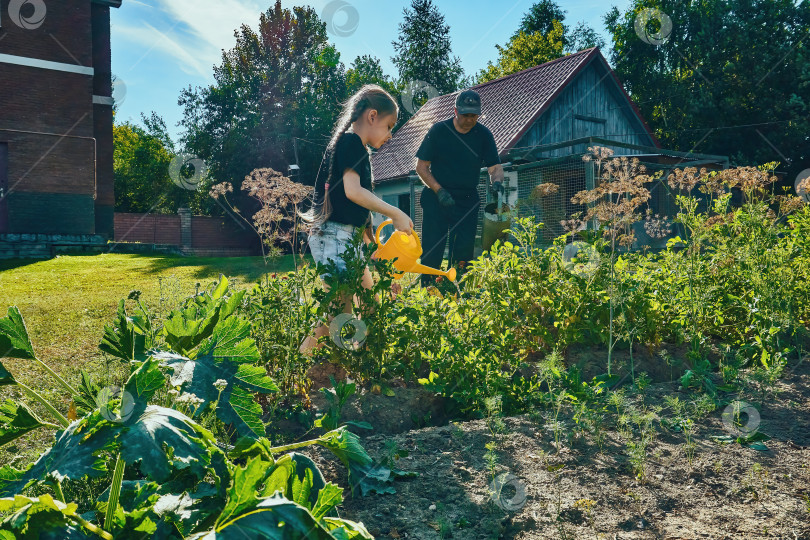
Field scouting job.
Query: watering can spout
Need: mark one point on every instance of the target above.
(404, 249)
(422, 269)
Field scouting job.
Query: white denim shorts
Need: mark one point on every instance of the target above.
(329, 240)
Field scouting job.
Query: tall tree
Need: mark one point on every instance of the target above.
(423, 48)
(718, 79)
(275, 88)
(141, 159)
(583, 37)
(525, 51)
(541, 17)
(367, 69)
(541, 37)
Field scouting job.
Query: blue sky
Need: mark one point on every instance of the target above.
(160, 47)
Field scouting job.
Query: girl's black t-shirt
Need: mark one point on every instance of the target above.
(349, 153)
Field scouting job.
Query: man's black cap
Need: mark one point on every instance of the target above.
(468, 102)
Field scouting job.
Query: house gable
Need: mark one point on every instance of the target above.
(592, 104)
(513, 105)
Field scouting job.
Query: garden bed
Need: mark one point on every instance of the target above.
(730, 491)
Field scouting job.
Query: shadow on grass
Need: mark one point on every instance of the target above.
(246, 268)
(11, 264)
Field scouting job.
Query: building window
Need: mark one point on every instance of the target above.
(404, 203)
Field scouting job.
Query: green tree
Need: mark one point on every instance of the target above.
(541, 17)
(141, 159)
(366, 69)
(583, 37)
(423, 48)
(276, 88)
(541, 37)
(732, 77)
(525, 51)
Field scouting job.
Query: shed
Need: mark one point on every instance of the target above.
(543, 119)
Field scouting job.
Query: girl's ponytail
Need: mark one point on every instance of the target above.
(368, 97)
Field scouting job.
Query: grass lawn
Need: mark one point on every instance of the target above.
(66, 301)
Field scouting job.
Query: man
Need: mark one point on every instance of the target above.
(448, 162)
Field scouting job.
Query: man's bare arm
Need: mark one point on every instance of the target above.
(495, 174)
(423, 170)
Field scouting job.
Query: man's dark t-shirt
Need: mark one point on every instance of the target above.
(456, 158)
(349, 153)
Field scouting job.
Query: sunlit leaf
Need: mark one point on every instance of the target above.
(16, 420)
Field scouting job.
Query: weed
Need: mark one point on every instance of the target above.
(393, 453)
(336, 396)
(587, 506)
(755, 481)
(491, 458)
(684, 416)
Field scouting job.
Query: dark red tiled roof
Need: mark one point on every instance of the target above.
(509, 107)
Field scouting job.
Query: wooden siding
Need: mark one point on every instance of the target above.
(591, 106)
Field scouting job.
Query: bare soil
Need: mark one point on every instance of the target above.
(576, 490)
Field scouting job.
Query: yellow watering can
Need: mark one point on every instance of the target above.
(406, 249)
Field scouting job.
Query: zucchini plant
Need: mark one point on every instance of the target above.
(168, 475)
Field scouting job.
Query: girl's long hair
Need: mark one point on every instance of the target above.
(368, 97)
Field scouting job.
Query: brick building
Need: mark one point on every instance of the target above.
(56, 145)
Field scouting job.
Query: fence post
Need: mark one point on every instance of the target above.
(185, 229)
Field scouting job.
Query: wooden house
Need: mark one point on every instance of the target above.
(543, 120)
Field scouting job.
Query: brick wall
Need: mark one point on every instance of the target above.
(50, 213)
(64, 35)
(103, 120)
(147, 228)
(209, 232)
(209, 235)
(59, 143)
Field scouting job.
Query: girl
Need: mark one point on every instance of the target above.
(343, 199)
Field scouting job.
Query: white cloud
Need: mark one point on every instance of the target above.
(154, 41)
(211, 23)
(192, 32)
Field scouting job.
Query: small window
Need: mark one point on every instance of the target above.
(404, 203)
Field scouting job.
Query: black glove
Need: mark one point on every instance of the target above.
(445, 199)
(496, 188)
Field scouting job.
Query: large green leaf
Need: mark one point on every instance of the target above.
(365, 475)
(248, 447)
(274, 518)
(164, 440)
(170, 510)
(328, 498)
(88, 392)
(231, 339)
(40, 518)
(345, 445)
(14, 340)
(121, 339)
(236, 404)
(6, 378)
(343, 529)
(144, 382)
(289, 475)
(76, 454)
(16, 420)
(185, 328)
(135, 512)
(297, 478)
(243, 492)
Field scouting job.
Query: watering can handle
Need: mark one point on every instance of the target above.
(391, 221)
(380, 228)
